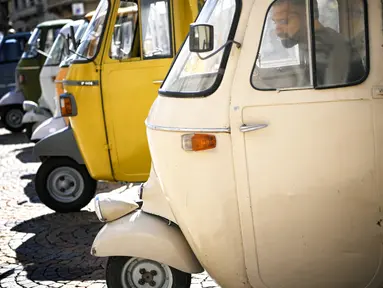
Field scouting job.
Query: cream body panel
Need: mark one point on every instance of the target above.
(155, 201)
(205, 210)
(310, 177)
(141, 235)
(200, 186)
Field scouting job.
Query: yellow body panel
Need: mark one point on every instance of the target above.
(92, 143)
(109, 127)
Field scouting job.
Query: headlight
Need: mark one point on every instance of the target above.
(114, 205)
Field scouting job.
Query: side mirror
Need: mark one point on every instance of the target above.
(201, 38)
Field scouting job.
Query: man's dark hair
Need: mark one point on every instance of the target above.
(302, 3)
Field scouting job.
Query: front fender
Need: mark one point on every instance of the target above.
(146, 236)
(48, 127)
(12, 98)
(59, 144)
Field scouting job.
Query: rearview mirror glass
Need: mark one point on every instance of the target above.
(201, 38)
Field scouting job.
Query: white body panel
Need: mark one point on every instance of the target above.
(48, 127)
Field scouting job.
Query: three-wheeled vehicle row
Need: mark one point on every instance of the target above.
(265, 139)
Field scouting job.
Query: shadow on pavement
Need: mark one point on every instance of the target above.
(26, 155)
(59, 247)
(29, 190)
(13, 138)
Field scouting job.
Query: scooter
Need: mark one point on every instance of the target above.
(27, 74)
(106, 137)
(37, 113)
(57, 122)
(267, 147)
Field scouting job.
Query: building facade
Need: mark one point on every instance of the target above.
(26, 14)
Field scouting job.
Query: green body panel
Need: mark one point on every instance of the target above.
(30, 68)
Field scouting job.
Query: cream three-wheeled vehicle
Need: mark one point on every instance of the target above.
(267, 154)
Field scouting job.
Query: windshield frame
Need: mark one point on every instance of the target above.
(221, 69)
(82, 60)
(37, 35)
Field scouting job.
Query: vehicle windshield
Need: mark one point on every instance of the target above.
(33, 44)
(57, 51)
(92, 36)
(67, 59)
(191, 74)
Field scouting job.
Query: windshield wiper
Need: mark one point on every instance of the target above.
(78, 54)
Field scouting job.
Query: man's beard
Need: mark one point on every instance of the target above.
(288, 41)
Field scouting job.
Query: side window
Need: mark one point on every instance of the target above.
(50, 38)
(326, 50)
(11, 50)
(156, 33)
(123, 38)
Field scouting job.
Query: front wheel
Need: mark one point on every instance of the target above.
(64, 185)
(131, 272)
(12, 119)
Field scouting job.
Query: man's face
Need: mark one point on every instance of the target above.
(289, 22)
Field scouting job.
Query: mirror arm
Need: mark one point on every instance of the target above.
(239, 45)
(43, 53)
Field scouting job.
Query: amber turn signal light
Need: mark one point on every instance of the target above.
(198, 142)
(66, 106)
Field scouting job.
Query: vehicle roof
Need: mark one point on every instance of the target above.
(18, 34)
(54, 23)
(65, 30)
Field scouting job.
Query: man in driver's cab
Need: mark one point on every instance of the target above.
(336, 61)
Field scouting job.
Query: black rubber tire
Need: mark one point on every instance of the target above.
(7, 125)
(46, 168)
(115, 266)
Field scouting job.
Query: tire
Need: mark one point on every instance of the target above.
(64, 185)
(121, 272)
(12, 118)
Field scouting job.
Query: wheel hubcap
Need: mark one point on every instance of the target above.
(65, 184)
(14, 118)
(143, 273)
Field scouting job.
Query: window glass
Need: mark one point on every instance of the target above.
(337, 35)
(92, 36)
(191, 74)
(57, 51)
(33, 44)
(124, 31)
(156, 28)
(50, 39)
(11, 50)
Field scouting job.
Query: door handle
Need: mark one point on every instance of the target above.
(248, 128)
(158, 81)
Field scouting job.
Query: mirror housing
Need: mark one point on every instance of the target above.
(201, 38)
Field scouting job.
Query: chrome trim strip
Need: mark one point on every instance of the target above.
(81, 83)
(190, 130)
(29, 68)
(248, 128)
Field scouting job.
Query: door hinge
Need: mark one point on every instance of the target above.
(108, 146)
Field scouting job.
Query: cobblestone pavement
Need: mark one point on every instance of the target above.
(40, 248)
